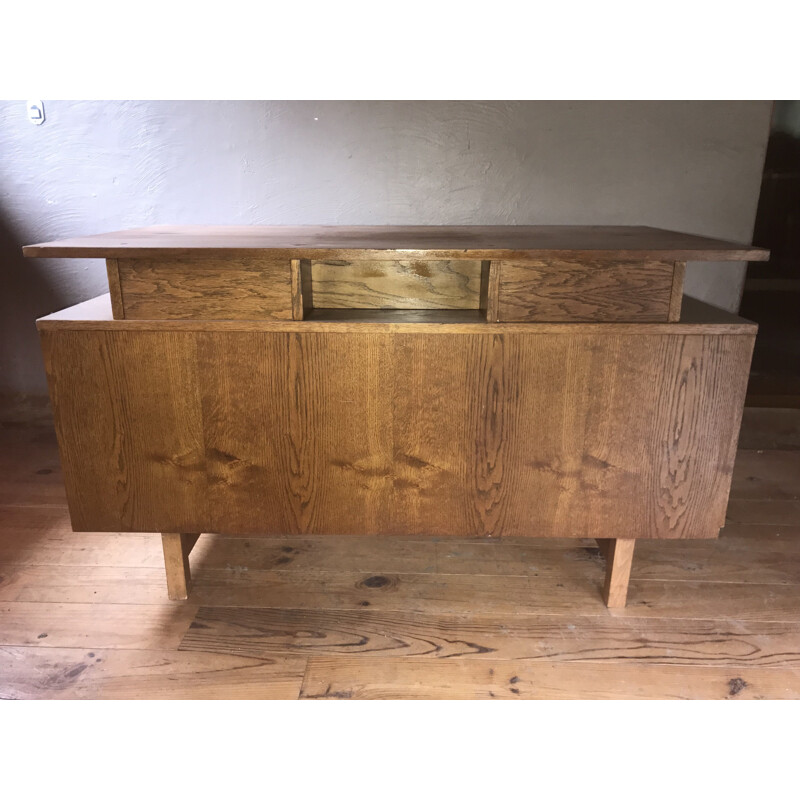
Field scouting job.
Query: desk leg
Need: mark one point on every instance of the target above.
(619, 557)
(177, 547)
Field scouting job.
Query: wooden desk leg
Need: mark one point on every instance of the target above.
(177, 547)
(619, 557)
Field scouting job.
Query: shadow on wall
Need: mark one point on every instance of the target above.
(26, 293)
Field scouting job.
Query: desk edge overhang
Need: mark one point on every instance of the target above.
(55, 250)
(625, 242)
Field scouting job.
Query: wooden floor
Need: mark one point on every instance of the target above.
(85, 615)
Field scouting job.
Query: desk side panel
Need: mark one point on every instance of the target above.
(286, 432)
(128, 419)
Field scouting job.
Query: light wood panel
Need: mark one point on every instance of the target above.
(560, 290)
(435, 317)
(203, 287)
(619, 558)
(341, 283)
(420, 241)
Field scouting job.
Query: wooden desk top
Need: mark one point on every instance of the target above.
(484, 242)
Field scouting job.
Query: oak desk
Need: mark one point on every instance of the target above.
(447, 381)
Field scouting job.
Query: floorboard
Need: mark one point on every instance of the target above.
(80, 673)
(285, 632)
(399, 678)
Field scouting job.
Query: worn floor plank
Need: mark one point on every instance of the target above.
(405, 678)
(766, 475)
(83, 584)
(573, 592)
(30, 471)
(770, 429)
(286, 632)
(730, 559)
(132, 627)
(764, 512)
(58, 673)
(762, 536)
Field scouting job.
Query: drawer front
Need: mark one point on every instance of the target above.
(250, 287)
(586, 291)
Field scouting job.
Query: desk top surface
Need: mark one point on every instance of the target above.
(409, 241)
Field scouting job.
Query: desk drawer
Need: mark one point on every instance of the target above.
(247, 287)
(588, 291)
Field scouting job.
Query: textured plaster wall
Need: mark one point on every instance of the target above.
(99, 166)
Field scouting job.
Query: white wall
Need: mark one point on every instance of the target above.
(94, 166)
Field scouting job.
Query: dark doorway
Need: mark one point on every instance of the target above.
(772, 291)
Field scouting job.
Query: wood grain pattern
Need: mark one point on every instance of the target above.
(115, 288)
(203, 287)
(339, 283)
(491, 276)
(91, 673)
(396, 678)
(676, 295)
(619, 559)
(421, 241)
(392, 316)
(43, 536)
(117, 625)
(366, 633)
(298, 301)
(128, 418)
(589, 291)
(177, 547)
(317, 433)
(84, 584)
(571, 589)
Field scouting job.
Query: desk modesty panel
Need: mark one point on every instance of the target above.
(372, 428)
(477, 382)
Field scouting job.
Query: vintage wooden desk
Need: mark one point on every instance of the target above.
(447, 381)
